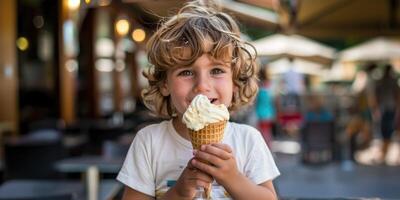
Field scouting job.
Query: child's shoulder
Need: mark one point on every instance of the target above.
(155, 128)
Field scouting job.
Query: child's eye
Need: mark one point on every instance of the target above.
(185, 73)
(217, 71)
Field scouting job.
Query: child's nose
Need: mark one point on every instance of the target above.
(202, 84)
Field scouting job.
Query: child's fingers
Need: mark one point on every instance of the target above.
(217, 150)
(190, 179)
(225, 147)
(189, 165)
(206, 156)
(209, 169)
(194, 173)
(201, 176)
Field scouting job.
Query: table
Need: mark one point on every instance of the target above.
(90, 167)
(42, 188)
(82, 163)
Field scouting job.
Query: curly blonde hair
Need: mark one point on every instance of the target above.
(180, 40)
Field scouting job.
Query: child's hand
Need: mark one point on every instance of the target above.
(191, 179)
(222, 164)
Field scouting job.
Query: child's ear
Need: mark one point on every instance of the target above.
(164, 89)
(235, 94)
(235, 88)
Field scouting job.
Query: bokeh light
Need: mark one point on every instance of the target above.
(138, 35)
(74, 4)
(122, 26)
(22, 43)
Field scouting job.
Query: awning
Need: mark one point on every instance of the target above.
(279, 45)
(378, 49)
(346, 18)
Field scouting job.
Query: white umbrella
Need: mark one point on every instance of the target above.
(339, 72)
(279, 45)
(283, 65)
(377, 49)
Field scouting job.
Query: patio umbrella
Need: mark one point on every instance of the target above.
(331, 19)
(280, 45)
(339, 73)
(283, 65)
(378, 49)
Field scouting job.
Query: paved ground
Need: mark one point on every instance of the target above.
(336, 180)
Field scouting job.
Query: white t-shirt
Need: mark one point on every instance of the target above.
(158, 155)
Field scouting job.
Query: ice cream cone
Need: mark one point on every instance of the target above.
(206, 123)
(212, 133)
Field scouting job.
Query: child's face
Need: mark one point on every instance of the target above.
(206, 76)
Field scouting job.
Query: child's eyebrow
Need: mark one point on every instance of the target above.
(179, 68)
(220, 62)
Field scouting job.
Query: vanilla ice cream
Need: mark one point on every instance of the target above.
(201, 112)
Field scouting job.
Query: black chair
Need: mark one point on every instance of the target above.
(318, 142)
(99, 133)
(33, 156)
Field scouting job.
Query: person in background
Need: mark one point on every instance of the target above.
(397, 127)
(384, 103)
(315, 117)
(289, 101)
(359, 129)
(317, 111)
(198, 51)
(294, 81)
(265, 108)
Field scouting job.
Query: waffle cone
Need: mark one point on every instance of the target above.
(212, 133)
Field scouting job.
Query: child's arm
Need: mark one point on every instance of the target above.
(223, 168)
(131, 194)
(185, 187)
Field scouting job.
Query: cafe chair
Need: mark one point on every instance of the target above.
(318, 142)
(99, 133)
(102, 131)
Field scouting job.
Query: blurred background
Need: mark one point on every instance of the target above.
(328, 106)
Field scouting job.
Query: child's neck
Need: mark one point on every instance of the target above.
(180, 128)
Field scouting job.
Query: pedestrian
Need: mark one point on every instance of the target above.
(384, 103)
(265, 108)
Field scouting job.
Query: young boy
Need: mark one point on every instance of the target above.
(198, 51)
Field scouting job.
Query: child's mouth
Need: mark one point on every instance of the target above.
(213, 100)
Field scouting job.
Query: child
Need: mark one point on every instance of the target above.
(198, 51)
